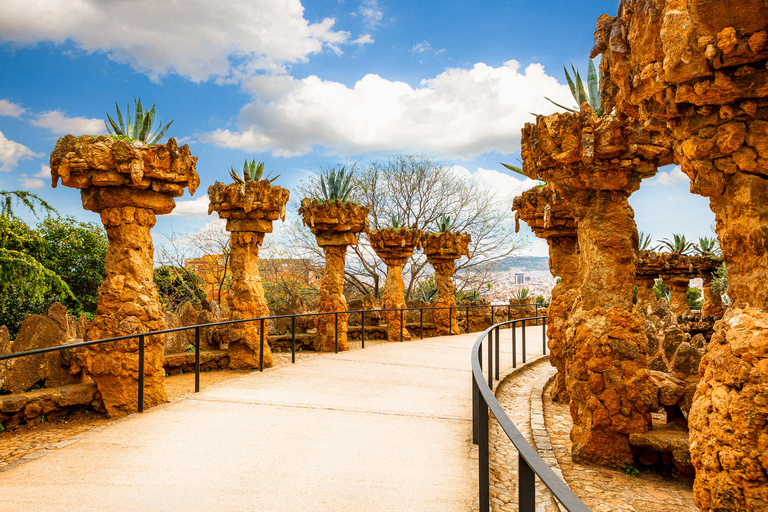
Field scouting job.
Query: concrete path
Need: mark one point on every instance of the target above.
(384, 428)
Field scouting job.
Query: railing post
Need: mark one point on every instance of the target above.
(421, 323)
(362, 330)
(476, 399)
(509, 314)
(492, 322)
(261, 346)
(141, 373)
(526, 488)
(490, 359)
(498, 342)
(544, 336)
(514, 344)
(401, 326)
(536, 305)
(483, 480)
(197, 359)
(450, 321)
(336, 324)
(293, 338)
(523, 340)
(467, 319)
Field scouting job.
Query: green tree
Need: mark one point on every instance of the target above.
(694, 297)
(177, 285)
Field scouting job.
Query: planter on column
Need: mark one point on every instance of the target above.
(335, 225)
(250, 210)
(700, 66)
(127, 183)
(395, 246)
(442, 251)
(596, 163)
(550, 217)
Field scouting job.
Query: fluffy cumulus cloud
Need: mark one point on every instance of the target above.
(503, 186)
(60, 124)
(675, 175)
(194, 38)
(12, 152)
(8, 108)
(197, 207)
(30, 183)
(459, 113)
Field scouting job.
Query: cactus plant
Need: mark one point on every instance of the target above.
(141, 127)
(251, 172)
(444, 223)
(336, 185)
(578, 92)
(396, 221)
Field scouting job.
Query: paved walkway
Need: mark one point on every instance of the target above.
(384, 428)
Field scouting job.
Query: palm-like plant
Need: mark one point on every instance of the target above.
(707, 247)
(521, 295)
(581, 95)
(251, 172)
(336, 185)
(645, 241)
(678, 244)
(396, 221)
(444, 223)
(141, 126)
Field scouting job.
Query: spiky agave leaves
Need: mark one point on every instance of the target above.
(251, 172)
(396, 221)
(707, 247)
(578, 92)
(678, 244)
(444, 223)
(336, 185)
(644, 241)
(140, 128)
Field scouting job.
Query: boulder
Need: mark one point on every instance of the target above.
(175, 342)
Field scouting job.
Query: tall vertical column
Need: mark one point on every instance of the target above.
(335, 225)
(442, 251)
(395, 246)
(128, 184)
(700, 67)
(250, 209)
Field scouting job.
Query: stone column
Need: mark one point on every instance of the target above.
(645, 294)
(250, 209)
(678, 289)
(551, 218)
(442, 251)
(699, 66)
(595, 164)
(127, 183)
(395, 246)
(335, 225)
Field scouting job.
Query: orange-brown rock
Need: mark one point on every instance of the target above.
(250, 209)
(550, 217)
(127, 183)
(395, 246)
(595, 164)
(442, 251)
(700, 67)
(335, 225)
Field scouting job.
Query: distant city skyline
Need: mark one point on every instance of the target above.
(305, 85)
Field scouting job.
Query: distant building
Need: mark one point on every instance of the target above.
(527, 279)
(519, 278)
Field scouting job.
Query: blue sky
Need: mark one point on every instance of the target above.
(303, 84)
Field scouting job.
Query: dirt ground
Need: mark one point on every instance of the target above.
(25, 440)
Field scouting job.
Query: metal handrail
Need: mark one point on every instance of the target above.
(530, 463)
(142, 336)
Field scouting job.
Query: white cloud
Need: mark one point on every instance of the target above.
(59, 124)
(460, 113)
(11, 109)
(676, 175)
(363, 39)
(197, 207)
(194, 38)
(45, 171)
(536, 246)
(31, 183)
(11, 152)
(421, 47)
(504, 187)
(371, 12)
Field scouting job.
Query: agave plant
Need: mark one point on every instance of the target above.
(138, 129)
(645, 241)
(444, 223)
(521, 294)
(678, 244)
(251, 172)
(336, 185)
(396, 221)
(707, 246)
(578, 92)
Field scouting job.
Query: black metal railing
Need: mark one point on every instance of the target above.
(530, 464)
(262, 320)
